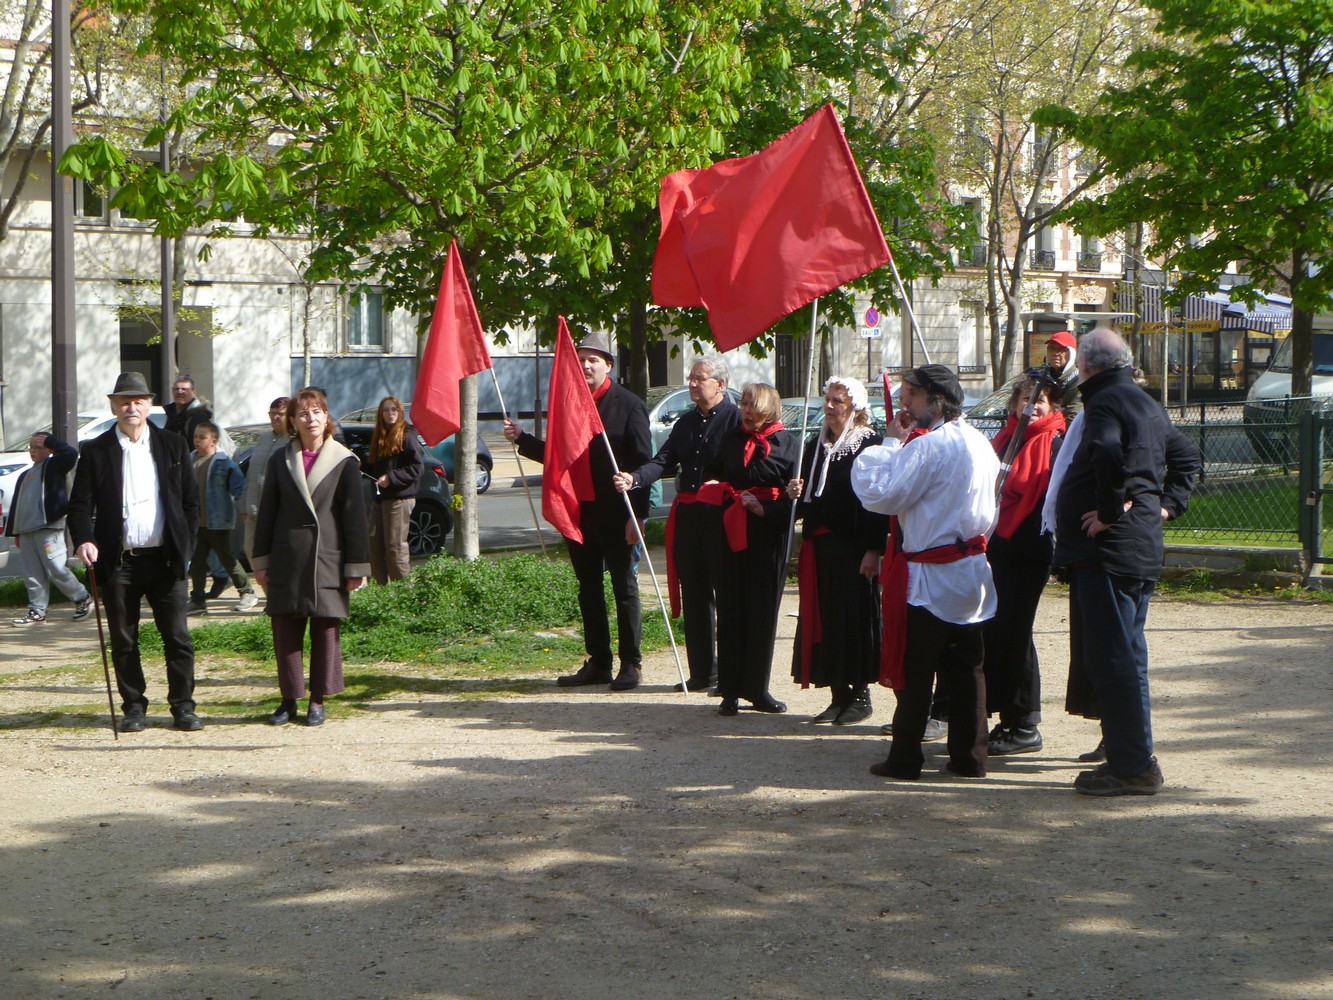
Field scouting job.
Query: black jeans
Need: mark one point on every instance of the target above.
(955, 653)
(214, 540)
(149, 575)
(699, 565)
(604, 548)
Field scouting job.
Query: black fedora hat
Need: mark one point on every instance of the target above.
(131, 384)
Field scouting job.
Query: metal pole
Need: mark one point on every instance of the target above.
(64, 354)
(907, 305)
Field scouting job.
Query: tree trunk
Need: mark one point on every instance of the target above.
(636, 365)
(467, 542)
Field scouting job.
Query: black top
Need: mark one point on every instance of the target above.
(837, 507)
(691, 445)
(1128, 451)
(404, 469)
(625, 418)
(776, 470)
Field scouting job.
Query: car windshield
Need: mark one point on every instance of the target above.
(1323, 355)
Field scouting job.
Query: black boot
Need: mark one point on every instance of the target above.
(286, 713)
(858, 710)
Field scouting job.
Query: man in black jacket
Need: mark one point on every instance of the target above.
(609, 536)
(1131, 471)
(132, 515)
(695, 557)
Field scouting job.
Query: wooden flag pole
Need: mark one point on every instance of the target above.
(638, 531)
(527, 490)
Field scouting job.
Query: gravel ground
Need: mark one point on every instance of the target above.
(588, 844)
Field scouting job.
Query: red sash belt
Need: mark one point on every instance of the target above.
(673, 578)
(893, 578)
(735, 516)
(812, 624)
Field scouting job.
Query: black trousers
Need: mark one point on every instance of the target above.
(148, 575)
(699, 545)
(956, 654)
(214, 540)
(1013, 671)
(604, 549)
(747, 611)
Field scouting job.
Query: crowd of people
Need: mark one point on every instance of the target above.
(925, 550)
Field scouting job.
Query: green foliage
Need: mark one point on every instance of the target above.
(1225, 145)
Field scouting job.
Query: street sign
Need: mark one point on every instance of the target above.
(870, 332)
(872, 317)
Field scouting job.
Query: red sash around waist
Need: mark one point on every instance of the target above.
(812, 623)
(734, 515)
(893, 579)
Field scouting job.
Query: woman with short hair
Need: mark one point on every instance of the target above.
(748, 479)
(396, 463)
(311, 552)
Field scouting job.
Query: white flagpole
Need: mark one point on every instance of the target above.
(517, 458)
(634, 519)
(907, 305)
(805, 428)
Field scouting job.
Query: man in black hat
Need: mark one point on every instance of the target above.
(132, 514)
(943, 490)
(608, 534)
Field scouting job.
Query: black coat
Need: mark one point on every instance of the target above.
(1128, 451)
(625, 418)
(96, 501)
(690, 447)
(55, 497)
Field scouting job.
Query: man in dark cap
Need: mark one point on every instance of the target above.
(132, 514)
(942, 489)
(609, 536)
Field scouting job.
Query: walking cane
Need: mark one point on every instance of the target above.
(101, 642)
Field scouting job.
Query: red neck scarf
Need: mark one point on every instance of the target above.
(1030, 470)
(602, 389)
(759, 439)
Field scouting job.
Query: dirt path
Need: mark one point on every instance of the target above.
(573, 844)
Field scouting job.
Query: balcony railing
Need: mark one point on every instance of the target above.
(973, 256)
(1041, 260)
(1090, 260)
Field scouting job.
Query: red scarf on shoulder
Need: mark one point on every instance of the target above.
(759, 439)
(1029, 472)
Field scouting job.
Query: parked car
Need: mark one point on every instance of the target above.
(14, 459)
(432, 515)
(1270, 414)
(443, 453)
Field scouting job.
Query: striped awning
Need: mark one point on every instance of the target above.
(1269, 317)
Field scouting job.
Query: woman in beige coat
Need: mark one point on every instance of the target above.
(310, 552)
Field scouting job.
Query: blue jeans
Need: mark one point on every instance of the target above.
(1115, 655)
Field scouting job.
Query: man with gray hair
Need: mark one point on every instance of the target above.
(1131, 471)
(694, 530)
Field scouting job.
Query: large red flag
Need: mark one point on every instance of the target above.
(673, 281)
(787, 225)
(572, 422)
(455, 349)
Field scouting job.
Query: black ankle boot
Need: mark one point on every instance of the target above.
(286, 713)
(857, 711)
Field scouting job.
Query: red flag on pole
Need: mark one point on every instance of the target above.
(768, 233)
(455, 348)
(572, 422)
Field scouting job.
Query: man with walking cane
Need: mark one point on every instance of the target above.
(132, 515)
(609, 536)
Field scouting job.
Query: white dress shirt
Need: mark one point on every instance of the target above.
(140, 504)
(942, 487)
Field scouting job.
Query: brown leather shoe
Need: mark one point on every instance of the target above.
(587, 674)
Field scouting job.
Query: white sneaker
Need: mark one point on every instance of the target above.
(247, 601)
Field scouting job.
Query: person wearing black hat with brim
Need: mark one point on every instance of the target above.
(942, 489)
(132, 515)
(608, 535)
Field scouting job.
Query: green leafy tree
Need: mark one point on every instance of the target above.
(1224, 146)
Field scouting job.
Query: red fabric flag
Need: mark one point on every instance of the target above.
(455, 348)
(572, 422)
(769, 233)
(888, 397)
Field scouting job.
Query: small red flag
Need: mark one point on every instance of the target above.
(769, 233)
(455, 348)
(888, 397)
(572, 422)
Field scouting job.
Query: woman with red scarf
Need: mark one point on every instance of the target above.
(748, 478)
(1020, 560)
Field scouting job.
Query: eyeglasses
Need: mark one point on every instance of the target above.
(700, 381)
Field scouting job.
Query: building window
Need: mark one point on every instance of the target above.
(1090, 257)
(365, 320)
(970, 330)
(89, 203)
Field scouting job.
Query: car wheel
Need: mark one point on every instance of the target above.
(428, 528)
(483, 475)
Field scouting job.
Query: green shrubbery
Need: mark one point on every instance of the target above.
(446, 609)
